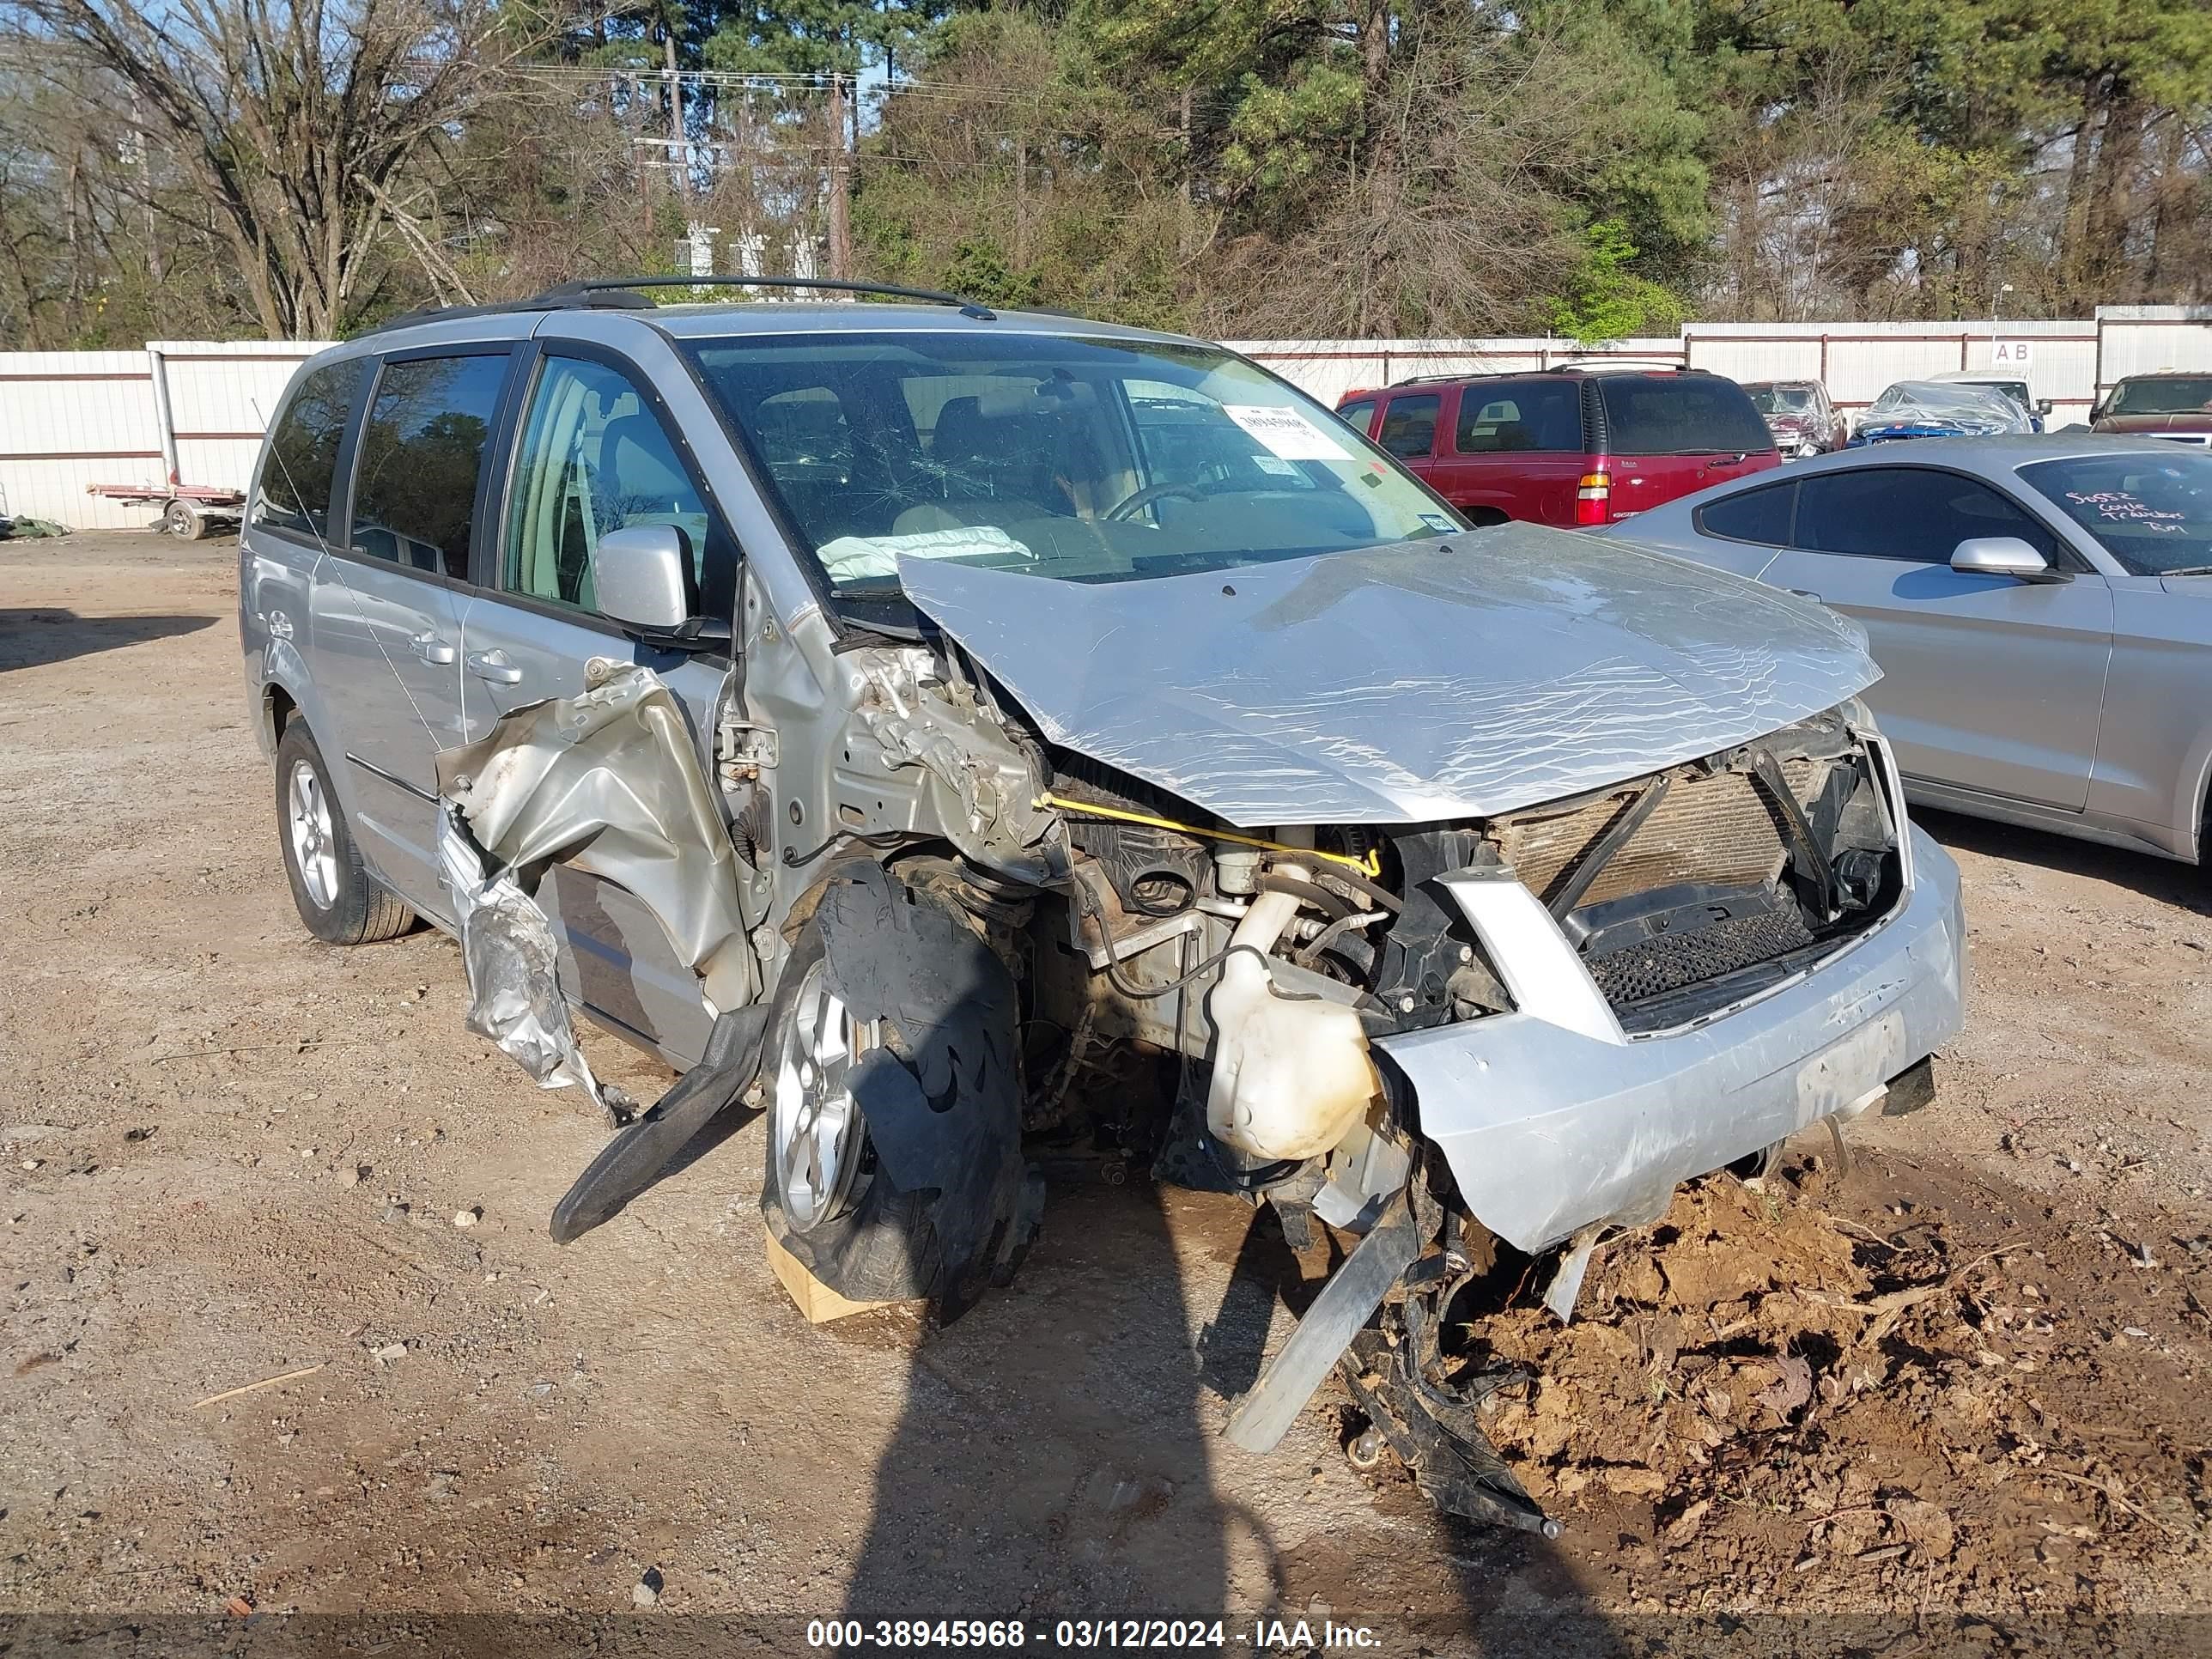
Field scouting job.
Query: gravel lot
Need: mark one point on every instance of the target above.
(1954, 1387)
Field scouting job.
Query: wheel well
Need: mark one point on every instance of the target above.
(1482, 517)
(278, 710)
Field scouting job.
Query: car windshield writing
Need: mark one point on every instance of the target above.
(2184, 396)
(1077, 459)
(2152, 512)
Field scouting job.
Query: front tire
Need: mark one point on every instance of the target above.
(335, 897)
(824, 1197)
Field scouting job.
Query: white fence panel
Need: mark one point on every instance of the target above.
(72, 419)
(1856, 361)
(1326, 369)
(2144, 339)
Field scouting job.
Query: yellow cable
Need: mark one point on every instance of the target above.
(1371, 866)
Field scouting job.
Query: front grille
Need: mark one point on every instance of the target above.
(1718, 829)
(1668, 961)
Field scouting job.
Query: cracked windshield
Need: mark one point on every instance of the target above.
(1082, 461)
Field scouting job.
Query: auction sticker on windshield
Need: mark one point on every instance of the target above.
(1285, 432)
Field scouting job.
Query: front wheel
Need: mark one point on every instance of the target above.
(825, 1197)
(335, 897)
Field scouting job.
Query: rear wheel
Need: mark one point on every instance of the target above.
(185, 521)
(335, 897)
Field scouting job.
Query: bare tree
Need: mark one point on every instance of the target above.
(295, 120)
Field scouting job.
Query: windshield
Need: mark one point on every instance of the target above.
(1781, 400)
(2016, 390)
(2152, 512)
(1944, 400)
(2177, 397)
(1077, 459)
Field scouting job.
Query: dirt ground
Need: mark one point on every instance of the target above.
(1948, 1394)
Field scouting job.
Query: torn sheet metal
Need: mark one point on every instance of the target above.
(1462, 678)
(515, 992)
(610, 781)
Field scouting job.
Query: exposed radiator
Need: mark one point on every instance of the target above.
(1718, 829)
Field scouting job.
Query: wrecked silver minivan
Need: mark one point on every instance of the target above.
(975, 740)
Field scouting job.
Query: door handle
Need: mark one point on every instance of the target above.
(1805, 593)
(494, 668)
(432, 649)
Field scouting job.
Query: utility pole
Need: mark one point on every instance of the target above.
(840, 203)
(140, 151)
(1187, 224)
(1021, 201)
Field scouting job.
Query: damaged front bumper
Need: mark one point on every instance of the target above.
(1555, 1122)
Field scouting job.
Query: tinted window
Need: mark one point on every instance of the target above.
(2175, 396)
(1679, 415)
(1357, 416)
(594, 458)
(1409, 425)
(1517, 415)
(1757, 515)
(1906, 513)
(2152, 512)
(421, 449)
(303, 453)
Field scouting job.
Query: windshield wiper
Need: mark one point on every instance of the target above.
(2189, 570)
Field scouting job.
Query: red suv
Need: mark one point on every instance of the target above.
(1569, 446)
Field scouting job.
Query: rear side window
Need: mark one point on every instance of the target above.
(1409, 426)
(296, 479)
(421, 453)
(1357, 416)
(1679, 415)
(1911, 512)
(1520, 415)
(1757, 515)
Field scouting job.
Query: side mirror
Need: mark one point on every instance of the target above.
(2002, 556)
(641, 574)
(2044, 405)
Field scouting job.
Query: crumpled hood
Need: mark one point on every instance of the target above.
(1420, 680)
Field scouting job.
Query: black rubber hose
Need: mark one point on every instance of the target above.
(1084, 903)
(1381, 895)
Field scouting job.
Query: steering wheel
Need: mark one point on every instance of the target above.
(1145, 497)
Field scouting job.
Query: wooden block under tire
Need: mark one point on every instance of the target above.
(808, 1294)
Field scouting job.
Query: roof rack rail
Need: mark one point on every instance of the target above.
(620, 293)
(588, 292)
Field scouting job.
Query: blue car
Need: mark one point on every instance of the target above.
(1938, 408)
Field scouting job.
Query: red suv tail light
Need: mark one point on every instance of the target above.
(1593, 498)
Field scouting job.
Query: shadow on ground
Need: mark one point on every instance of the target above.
(1059, 1457)
(33, 638)
(2163, 879)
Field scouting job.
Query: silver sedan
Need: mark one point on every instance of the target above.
(2041, 609)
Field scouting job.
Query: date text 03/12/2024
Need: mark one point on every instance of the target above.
(1083, 1635)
